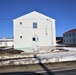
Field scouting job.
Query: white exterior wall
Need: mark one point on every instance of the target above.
(10, 44)
(6, 42)
(66, 39)
(2, 44)
(27, 32)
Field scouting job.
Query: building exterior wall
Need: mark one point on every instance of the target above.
(44, 33)
(69, 38)
(6, 42)
(2, 44)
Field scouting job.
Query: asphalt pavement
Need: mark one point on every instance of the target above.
(65, 68)
(59, 72)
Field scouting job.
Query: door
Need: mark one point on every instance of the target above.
(35, 43)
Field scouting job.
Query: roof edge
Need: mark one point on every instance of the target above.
(36, 12)
(72, 30)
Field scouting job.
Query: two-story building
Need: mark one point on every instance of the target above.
(69, 37)
(34, 30)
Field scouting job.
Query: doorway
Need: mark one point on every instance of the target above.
(35, 43)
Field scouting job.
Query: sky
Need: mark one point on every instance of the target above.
(63, 11)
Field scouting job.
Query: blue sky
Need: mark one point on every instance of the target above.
(64, 11)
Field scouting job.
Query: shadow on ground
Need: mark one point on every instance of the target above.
(48, 72)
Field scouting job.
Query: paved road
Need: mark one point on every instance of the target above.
(66, 68)
(66, 72)
(59, 72)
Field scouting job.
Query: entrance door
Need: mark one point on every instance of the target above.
(35, 43)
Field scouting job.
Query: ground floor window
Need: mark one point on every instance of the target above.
(33, 39)
(73, 40)
(20, 36)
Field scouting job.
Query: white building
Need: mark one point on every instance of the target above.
(34, 30)
(69, 37)
(5, 42)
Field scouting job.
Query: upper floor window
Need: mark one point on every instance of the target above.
(73, 33)
(35, 25)
(20, 23)
(64, 35)
(69, 34)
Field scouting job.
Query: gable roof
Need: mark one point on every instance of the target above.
(35, 15)
(73, 30)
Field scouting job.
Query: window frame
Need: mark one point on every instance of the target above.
(34, 25)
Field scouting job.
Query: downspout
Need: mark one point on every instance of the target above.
(51, 30)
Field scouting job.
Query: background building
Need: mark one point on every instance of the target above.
(6, 42)
(69, 37)
(34, 30)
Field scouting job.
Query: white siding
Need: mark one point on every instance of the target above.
(6, 42)
(26, 30)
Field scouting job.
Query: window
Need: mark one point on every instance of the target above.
(64, 35)
(73, 33)
(20, 23)
(69, 34)
(73, 40)
(35, 25)
(64, 40)
(70, 40)
(20, 36)
(34, 39)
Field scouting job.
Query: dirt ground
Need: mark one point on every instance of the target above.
(10, 51)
